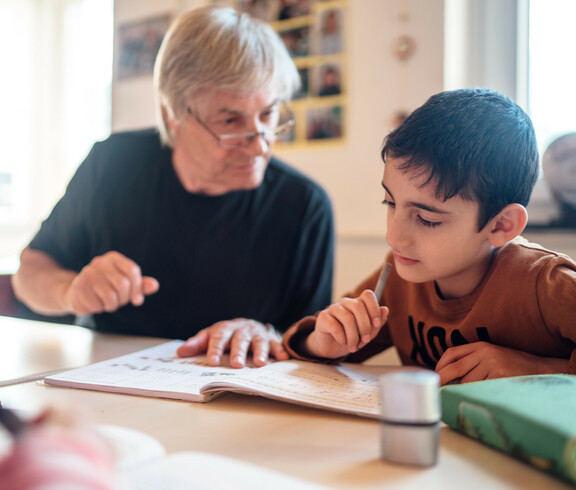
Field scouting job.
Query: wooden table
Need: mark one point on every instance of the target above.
(339, 451)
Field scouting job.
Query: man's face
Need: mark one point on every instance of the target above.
(432, 239)
(200, 163)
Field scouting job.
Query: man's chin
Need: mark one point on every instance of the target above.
(250, 180)
(247, 184)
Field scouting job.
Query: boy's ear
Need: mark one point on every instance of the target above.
(507, 224)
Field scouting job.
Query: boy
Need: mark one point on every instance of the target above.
(466, 295)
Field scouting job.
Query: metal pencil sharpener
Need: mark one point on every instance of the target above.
(410, 417)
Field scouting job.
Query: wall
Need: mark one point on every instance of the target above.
(379, 85)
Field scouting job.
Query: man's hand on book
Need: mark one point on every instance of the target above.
(481, 360)
(238, 336)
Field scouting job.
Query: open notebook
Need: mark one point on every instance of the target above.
(158, 372)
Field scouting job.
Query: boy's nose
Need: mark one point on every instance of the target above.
(396, 233)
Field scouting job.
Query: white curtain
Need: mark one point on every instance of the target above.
(55, 82)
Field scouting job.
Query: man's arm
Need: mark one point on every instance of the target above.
(105, 284)
(41, 283)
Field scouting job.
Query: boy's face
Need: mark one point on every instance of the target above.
(432, 239)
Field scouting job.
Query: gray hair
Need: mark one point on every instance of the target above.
(215, 47)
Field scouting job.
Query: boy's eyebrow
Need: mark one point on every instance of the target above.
(419, 205)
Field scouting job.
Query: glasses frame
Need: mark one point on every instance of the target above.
(267, 135)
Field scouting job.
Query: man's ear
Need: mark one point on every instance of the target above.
(167, 119)
(507, 224)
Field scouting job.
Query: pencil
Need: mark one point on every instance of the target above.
(382, 278)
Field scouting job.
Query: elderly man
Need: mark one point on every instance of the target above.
(193, 229)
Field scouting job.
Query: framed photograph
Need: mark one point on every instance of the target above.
(313, 31)
(324, 123)
(137, 45)
(297, 41)
(304, 76)
(292, 9)
(261, 9)
(328, 80)
(329, 32)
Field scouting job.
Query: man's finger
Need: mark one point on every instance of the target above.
(260, 349)
(239, 347)
(194, 345)
(278, 351)
(219, 340)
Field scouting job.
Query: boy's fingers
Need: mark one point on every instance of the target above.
(347, 316)
(358, 329)
(384, 310)
(332, 326)
(368, 298)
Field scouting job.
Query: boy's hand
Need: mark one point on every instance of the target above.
(481, 360)
(346, 326)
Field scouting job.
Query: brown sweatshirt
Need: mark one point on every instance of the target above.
(526, 302)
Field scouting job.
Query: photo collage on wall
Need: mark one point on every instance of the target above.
(314, 33)
(137, 44)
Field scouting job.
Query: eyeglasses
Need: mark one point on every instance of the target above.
(241, 140)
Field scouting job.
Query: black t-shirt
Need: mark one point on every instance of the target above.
(265, 254)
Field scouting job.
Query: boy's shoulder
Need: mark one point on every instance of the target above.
(520, 255)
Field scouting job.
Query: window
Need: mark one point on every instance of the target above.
(552, 103)
(55, 95)
(552, 71)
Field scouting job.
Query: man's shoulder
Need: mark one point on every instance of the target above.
(293, 180)
(126, 152)
(142, 139)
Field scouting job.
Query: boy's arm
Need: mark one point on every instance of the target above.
(295, 337)
(555, 293)
(481, 360)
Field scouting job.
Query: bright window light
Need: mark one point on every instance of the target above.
(55, 94)
(551, 85)
(552, 70)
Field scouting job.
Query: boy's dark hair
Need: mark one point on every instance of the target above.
(475, 143)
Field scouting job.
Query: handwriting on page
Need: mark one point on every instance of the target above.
(337, 386)
(158, 371)
(296, 380)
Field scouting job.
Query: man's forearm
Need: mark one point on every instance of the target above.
(41, 283)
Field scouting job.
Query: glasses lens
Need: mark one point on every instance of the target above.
(235, 140)
(282, 128)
